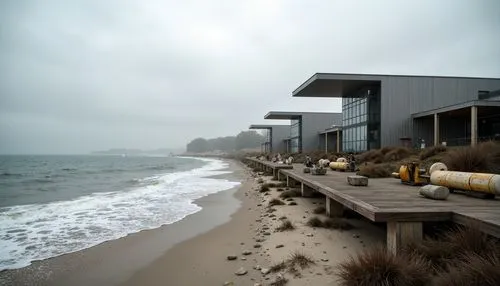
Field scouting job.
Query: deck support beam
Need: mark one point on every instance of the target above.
(333, 208)
(306, 191)
(400, 234)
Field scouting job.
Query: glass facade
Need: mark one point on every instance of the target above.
(354, 124)
(268, 143)
(361, 120)
(295, 135)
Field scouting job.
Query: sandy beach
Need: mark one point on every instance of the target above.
(195, 250)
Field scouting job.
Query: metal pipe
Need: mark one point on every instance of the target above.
(477, 182)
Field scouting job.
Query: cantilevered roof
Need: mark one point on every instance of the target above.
(339, 84)
(483, 103)
(330, 130)
(290, 114)
(334, 85)
(264, 126)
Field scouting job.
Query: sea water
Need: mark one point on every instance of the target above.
(52, 205)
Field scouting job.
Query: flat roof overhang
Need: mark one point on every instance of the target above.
(335, 85)
(468, 104)
(289, 115)
(260, 126)
(331, 130)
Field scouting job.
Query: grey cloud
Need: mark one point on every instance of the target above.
(137, 75)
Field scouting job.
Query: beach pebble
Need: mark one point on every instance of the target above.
(232, 257)
(228, 283)
(344, 247)
(257, 284)
(267, 233)
(309, 234)
(279, 246)
(265, 271)
(241, 271)
(246, 252)
(303, 244)
(257, 246)
(260, 240)
(324, 259)
(243, 258)
(259, 205)
(257, 267)
(355, 235)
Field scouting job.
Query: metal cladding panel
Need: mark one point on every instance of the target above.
(405, 95)
(312, 124)
(279, 133)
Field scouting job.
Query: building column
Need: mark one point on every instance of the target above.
(436, 129)
(473, 125)
(338, 141)
(326, 142)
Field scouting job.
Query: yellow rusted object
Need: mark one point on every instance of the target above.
(339, 165)
(411, 174)
(476, 182)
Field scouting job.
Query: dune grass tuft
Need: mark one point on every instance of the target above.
(314, 222)
(379, 267)
(290, 194)
(275, 202)
(484, 157)
(285, 225)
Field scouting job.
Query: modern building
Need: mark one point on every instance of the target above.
(274, 137)
(304, 128)
(389, 110)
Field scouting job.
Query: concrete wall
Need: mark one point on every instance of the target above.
(402, 96)
(279, 133)
(312, 124)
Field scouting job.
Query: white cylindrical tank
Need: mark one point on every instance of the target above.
(477, 182)
(341, 159)
(339, 165)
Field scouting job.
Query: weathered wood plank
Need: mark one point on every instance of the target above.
(400, 234)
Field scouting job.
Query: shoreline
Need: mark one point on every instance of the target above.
(112, 262)
(196, 250)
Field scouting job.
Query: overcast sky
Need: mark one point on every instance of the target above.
(78, 76)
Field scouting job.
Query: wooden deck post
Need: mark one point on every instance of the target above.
(333, 208)
(306, 191)
(275, 174)
(401, 233)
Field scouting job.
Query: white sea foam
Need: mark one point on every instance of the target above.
(40, 231)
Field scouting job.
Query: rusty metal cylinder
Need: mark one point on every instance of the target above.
(476, 182)
(339, 165)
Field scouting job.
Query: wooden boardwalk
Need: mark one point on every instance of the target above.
(387, 200)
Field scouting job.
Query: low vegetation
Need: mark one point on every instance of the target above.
(285, 225)
(461, 256)
(290, 194)
(314, 222)
(378, 267)
(473, 270)
(431, 151)
(295, 259)
(331, 223)
(275, 202)
(382, 170)
(484, 157)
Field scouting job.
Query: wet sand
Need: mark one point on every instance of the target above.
(194, 250)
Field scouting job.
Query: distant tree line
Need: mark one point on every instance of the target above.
(245, 139)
